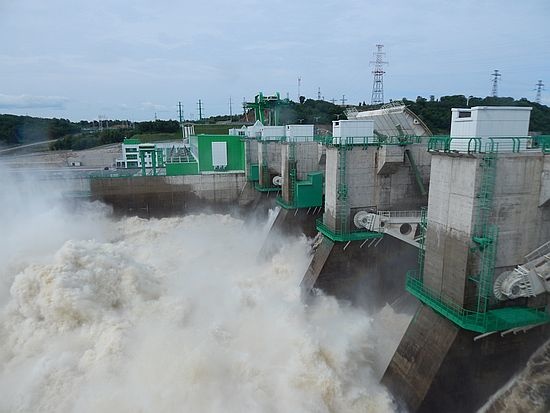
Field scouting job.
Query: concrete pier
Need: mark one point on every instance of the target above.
(438, 366)
(367, 272)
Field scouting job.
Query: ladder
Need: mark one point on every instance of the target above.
(265, 167)
(292, 173)
(342, 210)
(485, 235)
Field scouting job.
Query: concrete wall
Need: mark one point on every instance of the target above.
(440, 368)
(167, 195)
(452, 211)
(379, 178)
(451, 217)
(523, 225)
(273, 152)
(306, 161)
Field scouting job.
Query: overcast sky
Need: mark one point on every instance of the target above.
(131, 59)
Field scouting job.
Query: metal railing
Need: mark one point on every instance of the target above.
(375, 140)
(482, 322)
(486, 144)
(352, 235)
(401, 214)
(541, 251)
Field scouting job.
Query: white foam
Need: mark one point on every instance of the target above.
(176, 315)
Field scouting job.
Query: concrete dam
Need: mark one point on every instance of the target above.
(449, 234)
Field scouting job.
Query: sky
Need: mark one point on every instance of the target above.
(135, 60)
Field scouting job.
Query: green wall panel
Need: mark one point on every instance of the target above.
(235, 152)
(183, 168)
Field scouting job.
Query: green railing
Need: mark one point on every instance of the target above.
(482, 322)
(376, 140)
(542, 142)
(355, 235)
(485, 144)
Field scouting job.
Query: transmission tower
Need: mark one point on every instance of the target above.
(378, 72)
(200, 108)
(318, 93)
(495, 75)
(539, 88)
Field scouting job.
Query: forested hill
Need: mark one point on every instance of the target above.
(437, 113)
(25, 129)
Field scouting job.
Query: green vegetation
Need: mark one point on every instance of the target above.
(89, 140)
(311, 112)
(25, 129)
(437, 113)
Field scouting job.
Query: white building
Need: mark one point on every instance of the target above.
(132, 150)
(486, 122)
(353, 131)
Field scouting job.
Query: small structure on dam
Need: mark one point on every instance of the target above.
(482, 275)
(162, 178)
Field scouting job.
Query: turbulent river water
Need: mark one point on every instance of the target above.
(178, 314)
(172, 314)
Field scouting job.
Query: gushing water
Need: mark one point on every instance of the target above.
(170, 315)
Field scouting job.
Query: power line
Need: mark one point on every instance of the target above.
(378, 72)
(539, 88)
(496, 76)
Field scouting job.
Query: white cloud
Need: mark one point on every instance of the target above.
(32, 102)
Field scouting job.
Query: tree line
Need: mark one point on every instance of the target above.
(435, 113)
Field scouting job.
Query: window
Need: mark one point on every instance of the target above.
(132, 156)
(132, 164)
(131, 150)
(464, 114)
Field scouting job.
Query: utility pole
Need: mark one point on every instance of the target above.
(180, 113)
(245, 113)
(378, 72)
(299, 84)
(230, 110)
(199, 105)
(495, 75)
(344, 100)
(539, 88)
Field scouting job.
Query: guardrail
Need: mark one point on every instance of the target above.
(487, 144)
(401, 214)
(482, 322)
(375, 140)
(352, 235)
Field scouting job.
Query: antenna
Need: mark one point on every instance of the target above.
(299, 84)
(495, 75)
(539, 88)
(378, 72)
